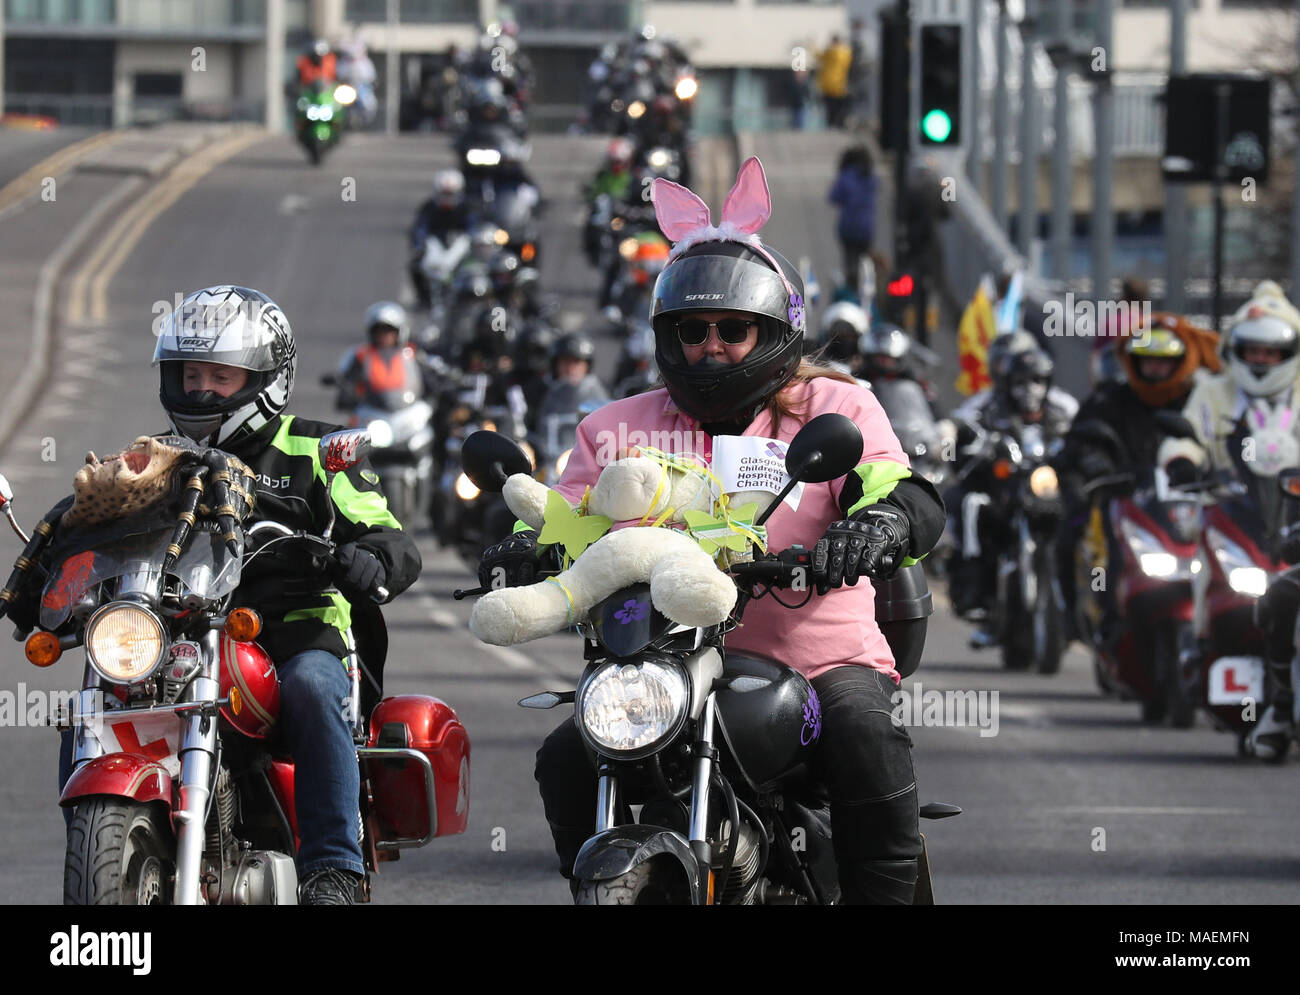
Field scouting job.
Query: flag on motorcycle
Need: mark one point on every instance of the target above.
(974, 334)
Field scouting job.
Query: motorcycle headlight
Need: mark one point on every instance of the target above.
(1243, 576)
(686, 88)
(627, 248)
(1151, 555)
(465, 489)
(628, 709)
(344, 94)
(124, 643)
(483, 157)
(324, 113)
(381, 433)
(635, 109)
(1043, 483)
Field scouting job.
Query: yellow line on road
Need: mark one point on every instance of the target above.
(127, 231)
(28, 183)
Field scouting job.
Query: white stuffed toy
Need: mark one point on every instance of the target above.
(686, 583)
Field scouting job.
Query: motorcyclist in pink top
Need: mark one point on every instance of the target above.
(729, 324)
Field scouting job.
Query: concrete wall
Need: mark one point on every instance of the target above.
(1218, 38)
(747, 33)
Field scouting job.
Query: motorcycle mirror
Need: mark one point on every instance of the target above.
(1287, 480)
(344, 449)
(1174, 425)
(328, 380)
(489, 458)
(827, 447)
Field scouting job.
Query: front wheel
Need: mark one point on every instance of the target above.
(645, 884)
(1049, 617)
(118, 853)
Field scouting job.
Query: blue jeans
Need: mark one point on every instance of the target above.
(313, 729)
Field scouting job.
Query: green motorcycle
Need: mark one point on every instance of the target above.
(322, 115)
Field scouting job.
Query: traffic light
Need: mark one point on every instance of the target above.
(941, 79)
(895, 70)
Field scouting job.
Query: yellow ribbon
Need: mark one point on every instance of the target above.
(568, 595)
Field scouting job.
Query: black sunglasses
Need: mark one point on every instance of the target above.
(732, 331)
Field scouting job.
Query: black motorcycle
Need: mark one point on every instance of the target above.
(1029, 613)
(723, 739)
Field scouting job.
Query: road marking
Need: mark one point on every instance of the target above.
(17, 190)
(513, 659)
(1140, 810)
(31, 381)
(144, 212)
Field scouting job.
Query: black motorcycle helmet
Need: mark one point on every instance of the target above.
(728, 276)
(573, 346)
(1029, 376)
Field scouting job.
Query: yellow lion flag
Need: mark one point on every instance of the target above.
(973, 336)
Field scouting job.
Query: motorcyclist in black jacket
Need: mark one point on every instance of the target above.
(1115, 433)
(226, 360)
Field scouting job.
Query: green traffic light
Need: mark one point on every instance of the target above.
(936, 126)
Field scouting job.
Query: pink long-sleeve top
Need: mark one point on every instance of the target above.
(830, 630)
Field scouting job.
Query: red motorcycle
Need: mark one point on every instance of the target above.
(178, 794)
(1145, 544)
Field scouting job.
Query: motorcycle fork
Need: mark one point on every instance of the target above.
(705, 759)
(197, 750)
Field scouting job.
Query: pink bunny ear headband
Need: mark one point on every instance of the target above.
(685, 219)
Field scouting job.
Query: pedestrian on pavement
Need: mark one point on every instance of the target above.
(861, 66)
(799, 94)
(833, 80)
(854, 193)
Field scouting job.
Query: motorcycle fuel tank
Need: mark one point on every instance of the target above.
(770, 730)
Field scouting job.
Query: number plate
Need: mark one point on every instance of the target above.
(154, 736)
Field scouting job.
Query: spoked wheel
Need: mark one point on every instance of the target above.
(118, 853)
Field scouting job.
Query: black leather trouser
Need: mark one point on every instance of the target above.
(863, 757)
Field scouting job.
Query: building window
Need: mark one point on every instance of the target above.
(416, 11)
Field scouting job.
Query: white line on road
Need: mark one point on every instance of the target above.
(1139, 810)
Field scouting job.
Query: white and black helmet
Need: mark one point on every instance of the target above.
(1260, 328)
(234, 326)
(389, 314)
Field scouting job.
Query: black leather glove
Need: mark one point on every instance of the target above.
(873, 543)
(513, 562)
(359, 571)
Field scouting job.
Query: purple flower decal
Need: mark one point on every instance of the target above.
(795, 312)
(632, 611)
(812, 719)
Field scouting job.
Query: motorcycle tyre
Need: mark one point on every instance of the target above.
(1050, 648)
(111, 843)
(1180, 706)
(1017, 642)
(644, 884)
